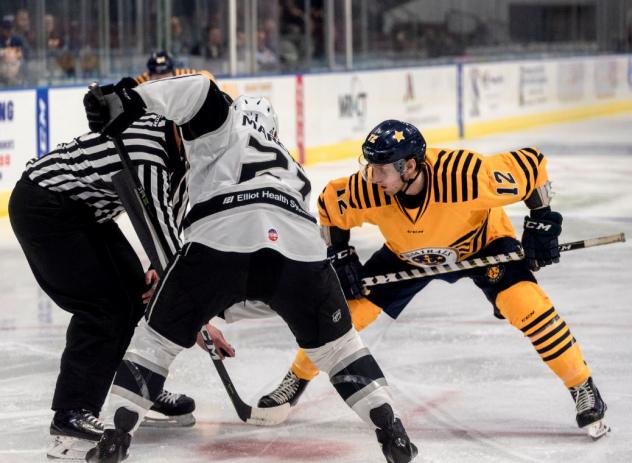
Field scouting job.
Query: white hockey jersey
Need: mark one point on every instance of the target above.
(246, 191)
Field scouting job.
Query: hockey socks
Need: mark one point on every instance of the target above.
(526, 306)
(363, 313)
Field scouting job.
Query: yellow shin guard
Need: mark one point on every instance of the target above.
(363, 313)
(530, 310)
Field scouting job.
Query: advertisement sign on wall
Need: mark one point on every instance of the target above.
(341, 108)
(17, 135)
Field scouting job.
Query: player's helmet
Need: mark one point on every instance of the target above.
(261, 111)
(392, 141)
(160, 62)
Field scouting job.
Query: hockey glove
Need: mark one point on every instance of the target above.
(111, 109)
(539, 239)
(349, 270)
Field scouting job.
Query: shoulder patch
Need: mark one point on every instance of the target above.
(363, 195)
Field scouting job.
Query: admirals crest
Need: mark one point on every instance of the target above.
(430, 257)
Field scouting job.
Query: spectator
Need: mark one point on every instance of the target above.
(213, 45)
(180, 40)
(11, 59)
(23, 31)
(54, 39)
(11, 55)
(266, 59)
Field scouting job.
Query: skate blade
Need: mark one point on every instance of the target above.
(158, 420)
(597, 430)
(68, 448)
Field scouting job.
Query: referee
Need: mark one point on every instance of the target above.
(62, 211)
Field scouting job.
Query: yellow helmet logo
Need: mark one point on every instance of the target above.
(399, 136)
(372, 138)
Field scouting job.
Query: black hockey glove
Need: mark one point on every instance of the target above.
(349, 270)
(539, 239)
(111, 109)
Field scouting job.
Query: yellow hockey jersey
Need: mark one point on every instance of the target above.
(144, 77)
(461, 207)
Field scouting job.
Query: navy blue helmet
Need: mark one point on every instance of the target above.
(393, 140)
(160, 62)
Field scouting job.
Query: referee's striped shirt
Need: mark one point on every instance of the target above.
(83, 169)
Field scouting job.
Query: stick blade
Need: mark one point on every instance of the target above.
(269, 416)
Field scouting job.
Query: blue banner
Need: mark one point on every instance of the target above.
(42, 126)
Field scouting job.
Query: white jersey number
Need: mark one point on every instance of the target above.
(281, 160)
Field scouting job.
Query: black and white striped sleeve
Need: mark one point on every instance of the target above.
(156, 182)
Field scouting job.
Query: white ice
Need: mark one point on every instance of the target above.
(469, 387)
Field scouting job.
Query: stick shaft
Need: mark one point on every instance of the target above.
(423, 272)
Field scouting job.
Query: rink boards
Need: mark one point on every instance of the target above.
(325, 117)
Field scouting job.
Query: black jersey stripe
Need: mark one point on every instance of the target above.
(444, 177)
(376, 194)
(463, 239)
(365, 192)
(387, 198)
(536, 153)
(478, 241)
(453, 180)
(532, 164)
(525, 171)
(350, 190)
(437, 193)
(466, 166)
(477, 166)
(428, 182)
(356, 191)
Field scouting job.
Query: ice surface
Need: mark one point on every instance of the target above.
(469, 387)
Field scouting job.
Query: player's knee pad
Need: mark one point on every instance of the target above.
(527, 307)
(522, 303)
(363, 312)
(354, 373)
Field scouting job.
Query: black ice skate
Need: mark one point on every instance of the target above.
(172, 410)
(112, 448)
(391, 435)
(590, 409)
(72, 434)
(289, 391)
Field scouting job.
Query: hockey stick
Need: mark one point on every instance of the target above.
(146, 225)
(481, 262)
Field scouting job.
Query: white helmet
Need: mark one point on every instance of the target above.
(261, 111)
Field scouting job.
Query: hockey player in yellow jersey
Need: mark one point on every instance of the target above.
(161, 64)
(441, 206)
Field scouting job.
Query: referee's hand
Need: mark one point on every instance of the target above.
(151, 280)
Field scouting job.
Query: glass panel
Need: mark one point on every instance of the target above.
(44, 42)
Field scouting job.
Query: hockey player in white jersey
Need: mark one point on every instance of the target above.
(248, 236)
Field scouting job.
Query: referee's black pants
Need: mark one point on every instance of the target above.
(90, 270)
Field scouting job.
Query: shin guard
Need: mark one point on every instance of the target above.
(363, 313)
(354, 373)
(529, 309)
